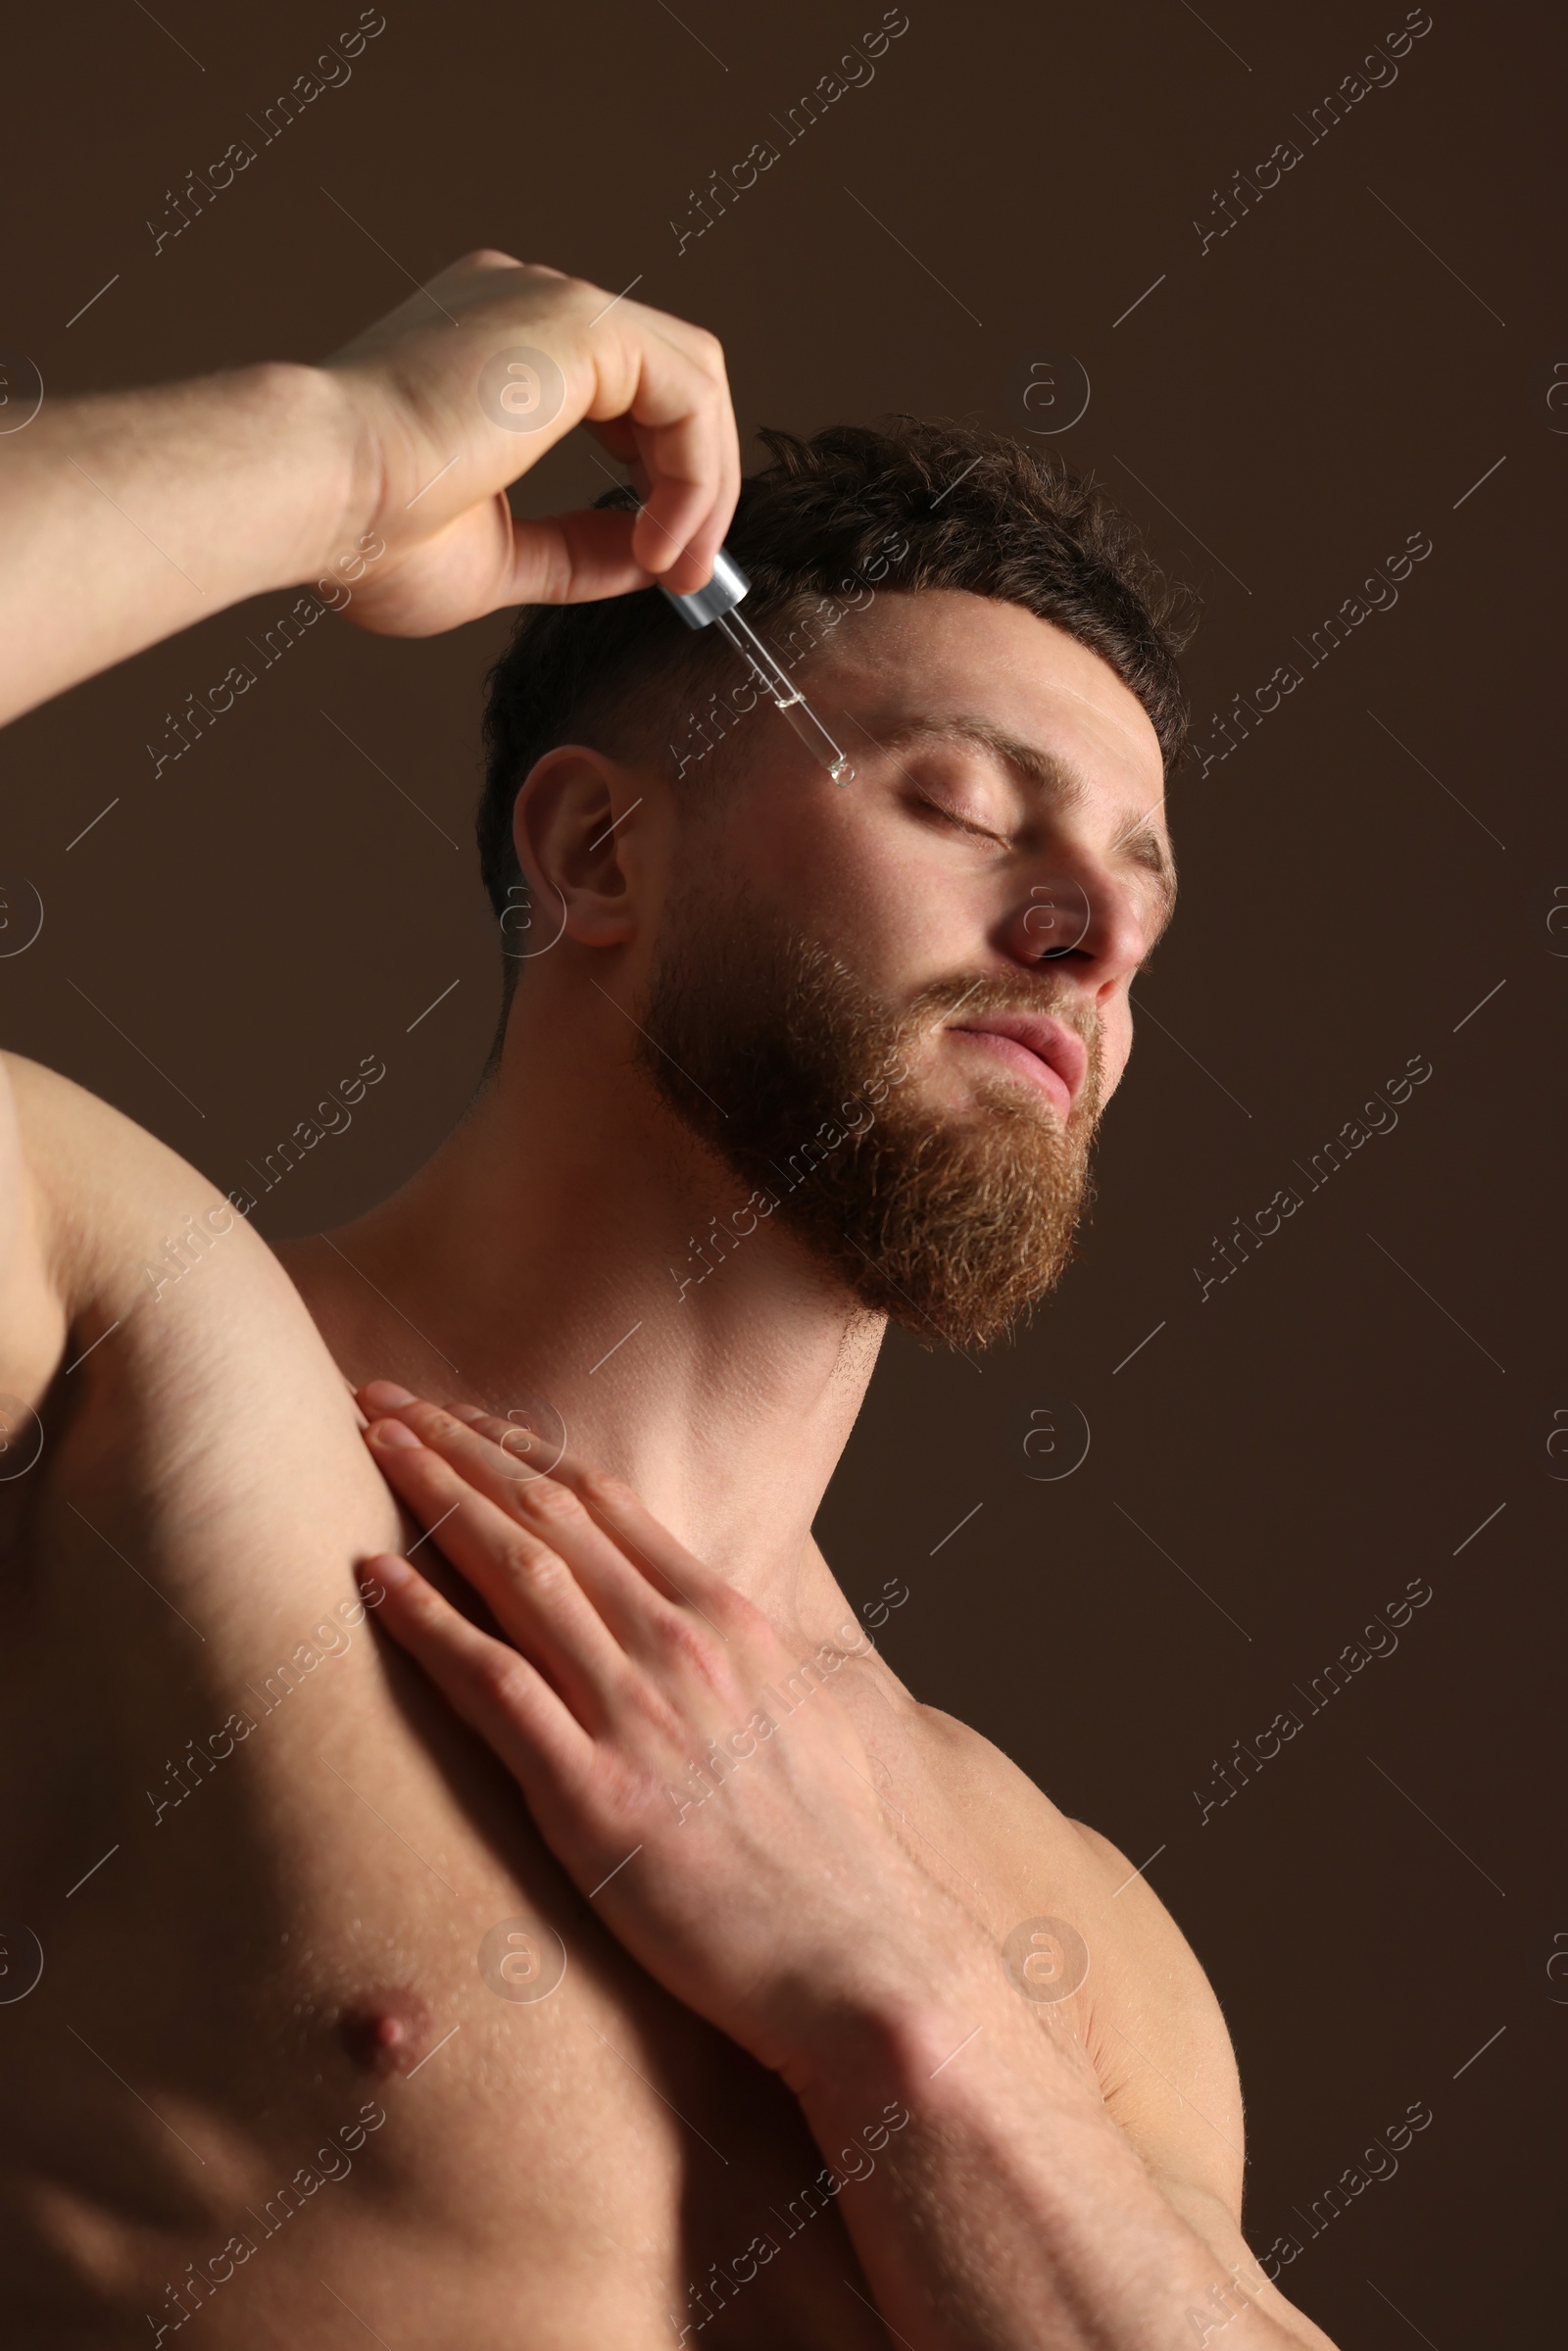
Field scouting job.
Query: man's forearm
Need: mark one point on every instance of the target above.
(1007, 2210)
(131, 515)
(127, 516)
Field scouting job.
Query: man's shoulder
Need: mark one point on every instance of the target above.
(121, 1257)
(1018, 1826)
(1019, 1816)
(170, 1377)
(92, 1171)
(1014, 1811)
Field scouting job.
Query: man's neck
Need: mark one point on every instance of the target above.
(558, 1250)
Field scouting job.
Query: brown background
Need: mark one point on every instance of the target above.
(1279, 1459)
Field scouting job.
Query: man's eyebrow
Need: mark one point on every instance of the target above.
(1055, 776)
(1136, 840)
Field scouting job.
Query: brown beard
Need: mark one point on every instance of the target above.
(778, 1056)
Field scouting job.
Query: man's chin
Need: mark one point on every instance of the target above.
(953, 1223)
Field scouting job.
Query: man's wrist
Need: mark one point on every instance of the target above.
(914, 2048)
(905, 2024)
(328, 478)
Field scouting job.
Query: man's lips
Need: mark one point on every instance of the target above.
(1044, 1052)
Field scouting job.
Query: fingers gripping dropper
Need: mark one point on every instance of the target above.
(717, 602)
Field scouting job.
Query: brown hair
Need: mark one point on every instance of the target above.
(964, 508)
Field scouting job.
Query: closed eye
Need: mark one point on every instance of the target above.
(964, 824)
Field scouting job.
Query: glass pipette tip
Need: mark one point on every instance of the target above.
(787, 698)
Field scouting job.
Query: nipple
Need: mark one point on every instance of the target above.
(387, 2032)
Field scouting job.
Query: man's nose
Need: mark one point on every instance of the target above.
(1083, 918)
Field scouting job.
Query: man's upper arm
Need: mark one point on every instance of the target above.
(33, 1313)
(1191, 2136)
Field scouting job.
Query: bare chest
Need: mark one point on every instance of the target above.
(313, 2013)
(314, 2003)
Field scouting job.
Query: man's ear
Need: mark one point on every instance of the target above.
(576, 850)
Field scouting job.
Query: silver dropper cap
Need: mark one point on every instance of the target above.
(723, 592)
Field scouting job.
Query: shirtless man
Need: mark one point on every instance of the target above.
(597, 1943)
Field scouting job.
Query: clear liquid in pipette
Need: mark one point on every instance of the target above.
(787, 698)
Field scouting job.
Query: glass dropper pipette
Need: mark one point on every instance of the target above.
(786, 698)
(717, 601)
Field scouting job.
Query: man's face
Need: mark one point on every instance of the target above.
(898, 1006)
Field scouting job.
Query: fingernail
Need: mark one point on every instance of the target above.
(385, 1395)
(387, 1570)
(392, 1433)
